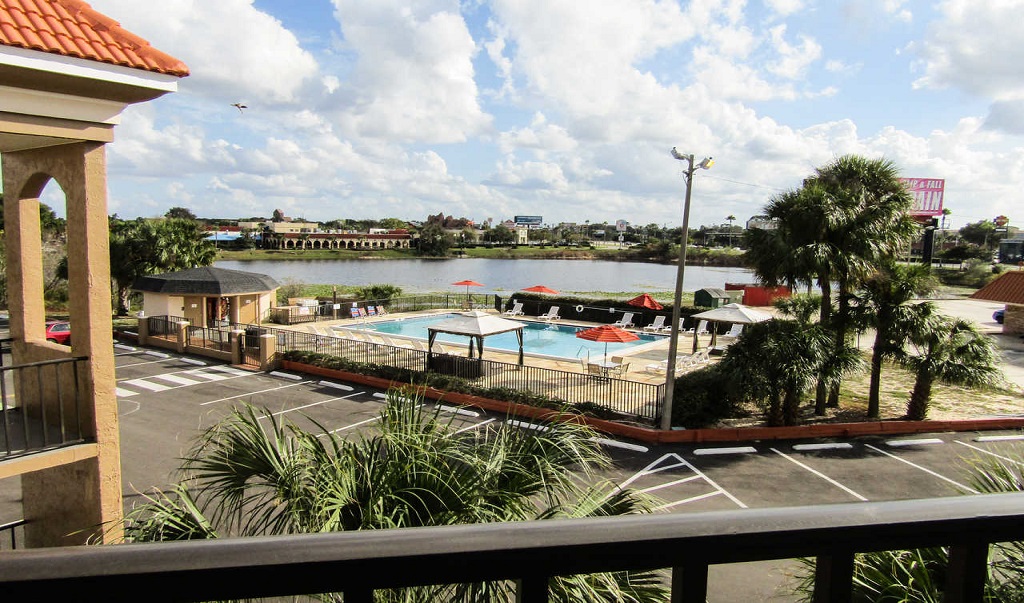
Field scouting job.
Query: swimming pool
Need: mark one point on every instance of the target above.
(543, 339)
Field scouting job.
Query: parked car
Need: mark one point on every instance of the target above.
(998, 315)
(58, 332)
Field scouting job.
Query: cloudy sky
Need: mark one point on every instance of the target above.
(563, 108)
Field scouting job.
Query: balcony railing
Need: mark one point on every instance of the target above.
(527, 553)
(40, 406)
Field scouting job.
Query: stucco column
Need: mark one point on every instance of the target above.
(72, 503)
(268, 352)
(181, 336)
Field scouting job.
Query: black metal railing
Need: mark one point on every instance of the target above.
(213, 338)
(41, 406)
(618, 395)
(164, 326)
(528, 554)
(635, 399)
(10, 533)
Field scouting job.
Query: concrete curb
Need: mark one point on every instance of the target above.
(680, 436)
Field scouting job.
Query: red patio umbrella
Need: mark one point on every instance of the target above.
(541, 289)
(645, 301)
(468, 284)
(607, 333)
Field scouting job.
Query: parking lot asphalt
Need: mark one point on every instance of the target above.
(165, 400)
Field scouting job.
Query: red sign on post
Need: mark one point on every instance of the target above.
(927, 194)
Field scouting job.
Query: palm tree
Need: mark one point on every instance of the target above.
(730, 219)
(877, 226)
(253, 476)
(776, 361)
(847, 218)
(883, 303)
(948, 350)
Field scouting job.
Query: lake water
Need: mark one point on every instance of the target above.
(497, 276)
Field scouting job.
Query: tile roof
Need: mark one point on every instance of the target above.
(1008, 288)
(72, 28)
(205, 280)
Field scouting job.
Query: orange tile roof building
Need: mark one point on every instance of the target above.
(1009, 289)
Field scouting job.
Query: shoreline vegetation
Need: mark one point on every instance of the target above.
(955, 280)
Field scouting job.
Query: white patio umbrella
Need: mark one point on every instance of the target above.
(734, 313)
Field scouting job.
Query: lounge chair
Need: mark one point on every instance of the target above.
(625, 321)
(515, 310)
(552, 314)
(596, 370)
(657, 325)
(395, 343)
(735, 331)
(702, 329)
(371, 310)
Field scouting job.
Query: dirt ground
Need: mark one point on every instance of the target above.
(948, 402)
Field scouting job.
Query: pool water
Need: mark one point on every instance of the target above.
(544, 339)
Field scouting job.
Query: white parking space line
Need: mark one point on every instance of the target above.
(193, 361)
(653, 468)
(147, 385)
(670, 484)
(312, 404)
(819, 474)
(925, 469)
(351, 426)
(913, 442)
(247, 394)
(689, 500)
(475, 426)
(176, 379)
(734, 450)
(124, 393)
(1003, 438)
(236, 372)
(121, 346)
(156, 354)
(458, 411)
(990, 453)
(828, 446)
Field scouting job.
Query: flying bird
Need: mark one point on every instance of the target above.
(239, 106)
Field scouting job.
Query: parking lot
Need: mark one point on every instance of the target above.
(165, 400)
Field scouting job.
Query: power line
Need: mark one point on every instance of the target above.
(750, 184)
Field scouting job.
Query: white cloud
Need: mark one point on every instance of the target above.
(976, 48)
(234, 51)
(783, 8)
(793, 60)
(414, 77)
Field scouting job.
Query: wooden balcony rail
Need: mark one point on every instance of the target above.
(528, 553)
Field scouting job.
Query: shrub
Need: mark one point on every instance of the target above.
(704, 397)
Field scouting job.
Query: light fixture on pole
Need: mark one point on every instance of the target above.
(673, 342)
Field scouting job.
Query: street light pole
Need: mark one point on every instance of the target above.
(673, 342)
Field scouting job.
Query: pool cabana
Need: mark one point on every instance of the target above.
(476, 325)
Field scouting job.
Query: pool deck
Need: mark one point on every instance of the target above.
(638, 357)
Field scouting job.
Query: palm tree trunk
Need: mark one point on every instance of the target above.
(841, 320)
(791, 407)
(774, 417)
(821, 392)
(876, 377)
(917, 407)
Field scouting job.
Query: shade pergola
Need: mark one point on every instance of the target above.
(476, 325)
(732, 313)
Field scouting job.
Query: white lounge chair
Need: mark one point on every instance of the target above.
(657, 325)
(735, 331)
(515, 310)
(625, 321)
(702, 328)
(552, 314)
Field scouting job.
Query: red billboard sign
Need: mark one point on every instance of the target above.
(927, 193)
